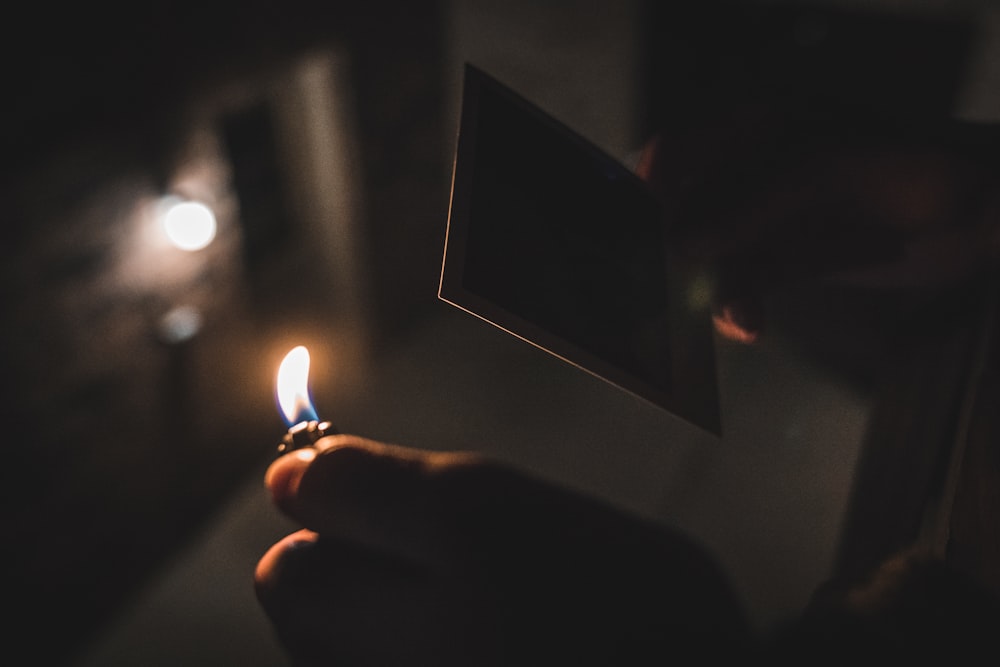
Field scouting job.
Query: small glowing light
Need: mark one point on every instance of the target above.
(293, 387)
(180, 324)
(189, 225)
(729, 328)
(700, 292)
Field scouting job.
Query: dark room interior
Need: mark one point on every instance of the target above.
(138, 377)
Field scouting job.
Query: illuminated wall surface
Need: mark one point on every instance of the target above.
(137, 375)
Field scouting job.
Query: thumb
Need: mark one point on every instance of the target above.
(383, 497)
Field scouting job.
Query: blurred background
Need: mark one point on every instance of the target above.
(314, 140)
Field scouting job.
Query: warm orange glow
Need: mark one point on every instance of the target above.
(728, 328)
(293, 387)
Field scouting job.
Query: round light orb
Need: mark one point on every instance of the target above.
(189, 225)
(180, 324)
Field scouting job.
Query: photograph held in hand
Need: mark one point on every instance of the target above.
(556, 242)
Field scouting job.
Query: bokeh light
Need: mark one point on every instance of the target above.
(189, 225)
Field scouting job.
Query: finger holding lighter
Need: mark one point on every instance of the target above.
(409, 556)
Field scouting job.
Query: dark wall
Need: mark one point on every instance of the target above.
(120, 444)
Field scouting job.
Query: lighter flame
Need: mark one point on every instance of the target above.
(293, 387)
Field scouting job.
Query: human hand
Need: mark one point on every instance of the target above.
(911, 606)
(792, 195)
(410, 557)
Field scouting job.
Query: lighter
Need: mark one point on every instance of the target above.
(292, 392)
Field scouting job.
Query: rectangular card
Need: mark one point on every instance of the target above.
(554, 241)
